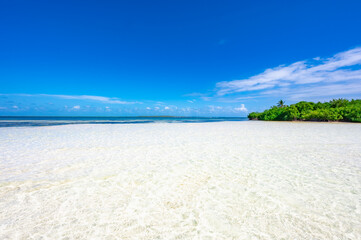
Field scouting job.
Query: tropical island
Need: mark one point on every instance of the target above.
(334, 110)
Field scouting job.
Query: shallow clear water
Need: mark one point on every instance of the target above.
(224, 180)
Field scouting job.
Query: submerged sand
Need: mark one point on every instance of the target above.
(228, 180)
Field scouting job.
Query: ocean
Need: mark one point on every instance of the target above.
(7, 121)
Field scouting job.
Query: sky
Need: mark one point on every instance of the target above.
(180, 58)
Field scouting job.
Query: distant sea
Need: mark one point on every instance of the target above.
(51, 121)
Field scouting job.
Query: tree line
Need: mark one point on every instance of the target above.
(334, 110)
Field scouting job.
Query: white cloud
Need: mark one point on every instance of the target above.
(76, 107)
(166, 108)
(93, 98)
(15, 107)
(337, 74)
(214, 108)
(242, 108)
(148, 108)
(336, 90)
(102, 99)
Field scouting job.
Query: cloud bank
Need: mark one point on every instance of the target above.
(90, 97)
(78, 97)
(338, 75)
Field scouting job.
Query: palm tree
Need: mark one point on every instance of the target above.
(281, 103)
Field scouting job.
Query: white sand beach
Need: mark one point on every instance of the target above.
(225, 180)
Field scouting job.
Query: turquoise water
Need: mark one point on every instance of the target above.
(50, 121)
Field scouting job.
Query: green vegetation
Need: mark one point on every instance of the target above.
(335, 110)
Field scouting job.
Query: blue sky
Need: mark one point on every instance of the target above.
(188, 58)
